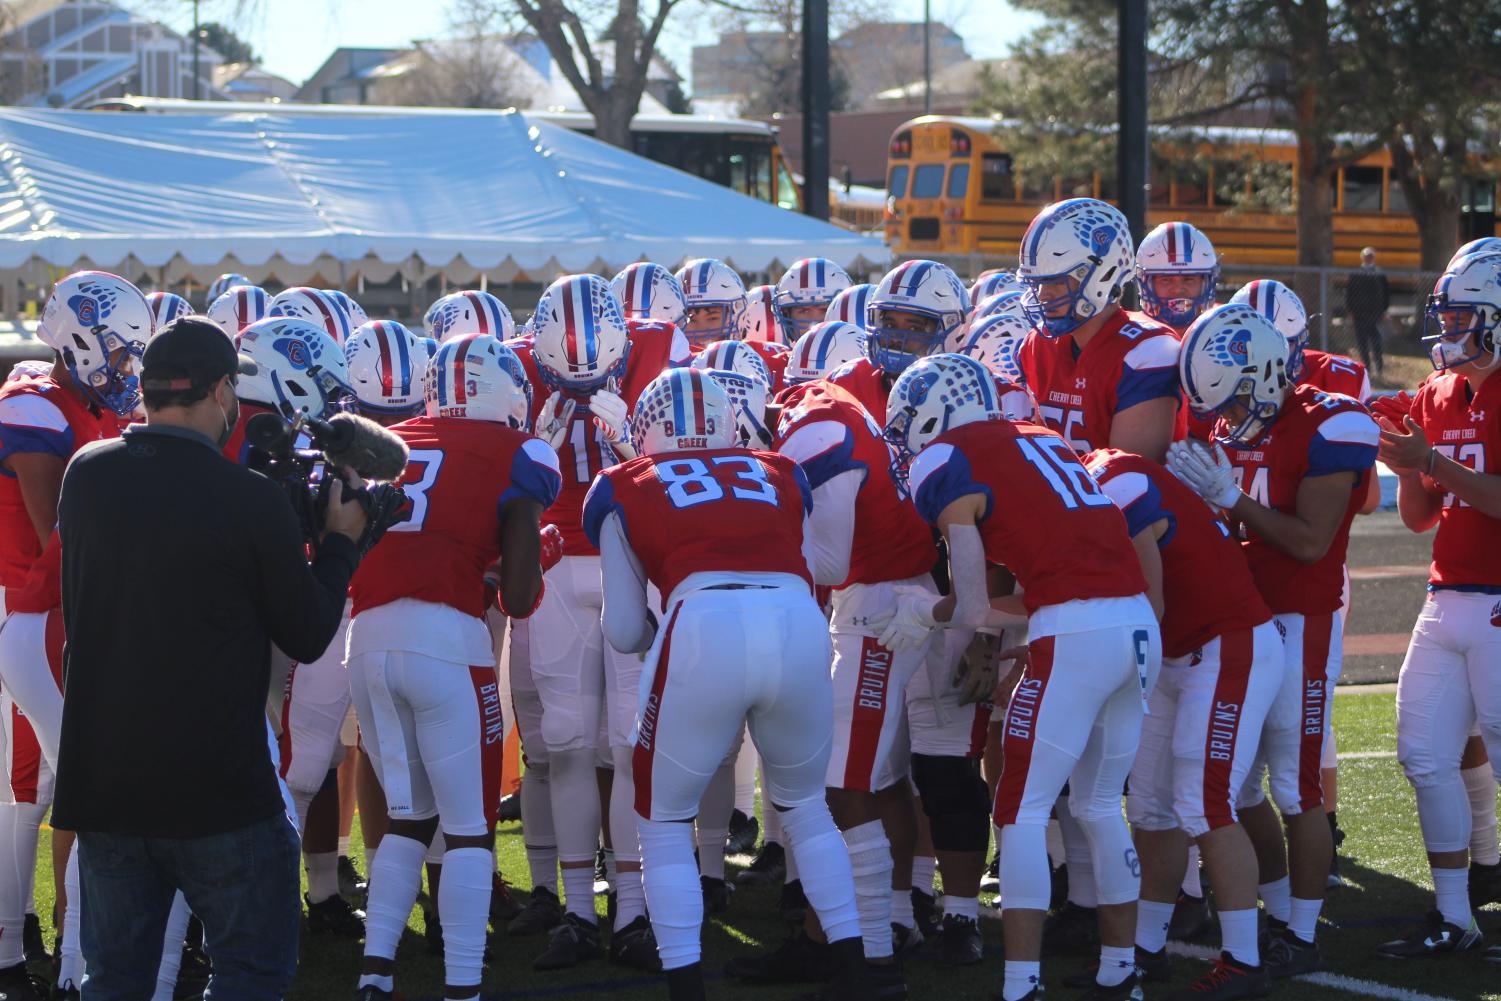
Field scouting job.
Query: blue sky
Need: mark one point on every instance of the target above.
(319, 26)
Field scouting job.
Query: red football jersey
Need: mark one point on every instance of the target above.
(38, 416)
(723, 510)
(1467, 429)
(1207, 588)
(1335, 374)
(1045, 516)
(1315, 434)
(584, 451)
(867, 384)
(459, 475)
(775, 356)
(1132, 359)
(237, 449)
(827, 432)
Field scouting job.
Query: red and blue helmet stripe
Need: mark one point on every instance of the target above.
(581, 339)
(689, 417)
(396, 369)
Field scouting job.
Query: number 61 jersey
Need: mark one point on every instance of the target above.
(1044, 516)
(728, 510)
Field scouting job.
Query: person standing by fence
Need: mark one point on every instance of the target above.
(1367, 296)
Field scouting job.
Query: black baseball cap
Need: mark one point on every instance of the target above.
(191, 352)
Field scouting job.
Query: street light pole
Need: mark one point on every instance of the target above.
(927, 57)
(816, 108)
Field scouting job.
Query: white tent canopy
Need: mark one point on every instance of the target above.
(467, 193)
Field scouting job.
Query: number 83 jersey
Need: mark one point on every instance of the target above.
(726, 510)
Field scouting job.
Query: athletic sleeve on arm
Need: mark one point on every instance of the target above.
(1345, 442)
(823, 450)
(1149, 372)
(599, 504)
(830, 529)
(534, 475)
(625, 621)
(940, 475)
(32, 424)
(1139, 499)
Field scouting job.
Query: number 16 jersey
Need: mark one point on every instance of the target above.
(726, 510)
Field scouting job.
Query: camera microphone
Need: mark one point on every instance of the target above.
(353, 442)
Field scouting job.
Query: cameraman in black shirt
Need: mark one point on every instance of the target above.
(180, 569)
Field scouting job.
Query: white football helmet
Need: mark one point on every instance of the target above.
(166, 307)
(649, 291)
(912, 312)
(733, 356)
(994, 341)
(683, 409)
(468, 312)
(99, 323)
(994, 283)
(1233, 356)
(935, 394)
(1465, 302)
(239, 307)
(316, 307)
(762, 320)
(298, 368)
(477, 377)
(849, 306)
(223, 284)
(1001, 302)
(387, 363)
(828, 346)
(1281, 305)
(581, 340)
(715, 297)
(748, 400)
(1085, 244)
(1176, 248)
(805, 291)
(29, 368)
(356, 313)
(1484, 245)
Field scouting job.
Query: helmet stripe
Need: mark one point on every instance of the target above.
(914, 280)
(405, 357)
(696, 408)
(570, 335)
(1188, 242)
(818, 275)
(480, 313)
(678, 375)
(383, 341)
(1172, 243)
(329, 323)
(586, 313)
(460, 375)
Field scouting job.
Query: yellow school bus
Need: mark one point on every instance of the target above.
(951, 189)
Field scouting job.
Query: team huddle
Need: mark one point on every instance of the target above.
(959, 560)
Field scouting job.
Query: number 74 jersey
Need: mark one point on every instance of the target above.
(729, 510)
(1043, 515)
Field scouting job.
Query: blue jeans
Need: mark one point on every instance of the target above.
(243, 886)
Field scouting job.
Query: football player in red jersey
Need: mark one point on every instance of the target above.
(1294, 479)
(592, 370)
(1014, 494)
(1221, 668)
(98, 324)
(1102, 376)
(720, 531)
(1442, 444)
(420, 662)
(914, 309)
(715, 299)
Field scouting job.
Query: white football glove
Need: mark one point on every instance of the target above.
(553, 421)
(912, 622)
(1206, 471)
(610, 413)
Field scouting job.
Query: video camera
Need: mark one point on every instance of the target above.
(306, 455)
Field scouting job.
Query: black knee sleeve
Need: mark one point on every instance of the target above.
(956, 801)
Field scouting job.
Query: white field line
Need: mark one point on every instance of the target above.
(1366, 755)
(1334, 981)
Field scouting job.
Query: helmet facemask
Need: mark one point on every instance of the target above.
(1171, 305)
(1063, 312)
(1457, 334)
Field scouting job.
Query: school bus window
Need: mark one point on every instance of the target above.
(1193, 186)
(996, 181)
(898, 186)
(1479, 196)
(958, 180)
(927, 181)
(1362, 189)
(787, 188)
(1396, 196)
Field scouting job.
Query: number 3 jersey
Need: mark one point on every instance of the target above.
(1467, 429)
(459, 475)
(1131, 360)
(1315, 434)
(728, 510)
(1044, 516)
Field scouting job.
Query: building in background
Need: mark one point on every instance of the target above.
(249, 82)
(60, 54)
(879, 55)
(956, 85)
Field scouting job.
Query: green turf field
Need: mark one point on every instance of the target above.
(1384, 866)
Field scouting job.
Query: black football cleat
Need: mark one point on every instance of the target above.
(1227, 980)
(572, 942)
(798, 960)
(744, 830)
(766, 869)
(542, 913)
(959, 941)
(335, 916)
(635, 946)
(716, 895)
(1435, 937)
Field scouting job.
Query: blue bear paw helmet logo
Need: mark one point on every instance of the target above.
(921, 386)
(296, 351)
